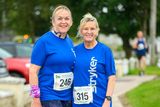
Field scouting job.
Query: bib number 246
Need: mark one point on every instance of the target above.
(62, 81)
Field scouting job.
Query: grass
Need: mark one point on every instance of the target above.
(148, 93)
(150, 70)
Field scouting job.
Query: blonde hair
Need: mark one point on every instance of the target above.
(87, 18)
(60, 7)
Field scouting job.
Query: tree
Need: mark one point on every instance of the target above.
(123, 17)
(153, 29)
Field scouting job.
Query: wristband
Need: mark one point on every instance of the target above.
(35, 91)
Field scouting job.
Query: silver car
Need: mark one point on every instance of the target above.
(3, 69)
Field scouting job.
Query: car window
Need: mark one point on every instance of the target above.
(4, 54)
(23, 50)
(9, 48)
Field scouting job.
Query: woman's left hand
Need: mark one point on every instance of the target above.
(106, 103)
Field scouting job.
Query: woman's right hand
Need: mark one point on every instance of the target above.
(33, 80)
(36, 103)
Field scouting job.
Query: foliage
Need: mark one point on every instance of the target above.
(124, 17)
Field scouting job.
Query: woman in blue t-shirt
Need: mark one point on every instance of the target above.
(52, 59)
(94, 69)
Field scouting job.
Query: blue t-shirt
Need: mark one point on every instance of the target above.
(92, 68)
(55, 56)
(141, 49)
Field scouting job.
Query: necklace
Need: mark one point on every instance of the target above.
(58, 34)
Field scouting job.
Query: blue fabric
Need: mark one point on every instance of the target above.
(85, 73)
(54, 55)
(141, 51)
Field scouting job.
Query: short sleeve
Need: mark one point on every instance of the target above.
(110, 64)
(38, 53)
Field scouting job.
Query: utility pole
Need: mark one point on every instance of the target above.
(153, 22)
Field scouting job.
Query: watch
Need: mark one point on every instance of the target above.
(109, 98)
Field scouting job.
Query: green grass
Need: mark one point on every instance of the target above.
(146, 95)
(150, 70)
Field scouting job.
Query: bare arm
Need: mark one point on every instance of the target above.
(134, 46)
(110, 89)
(33, 74)
(33, 80)
(111, 85)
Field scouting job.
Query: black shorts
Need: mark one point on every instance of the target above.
(140, 56)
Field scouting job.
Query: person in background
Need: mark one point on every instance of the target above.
(94, 69)
(52, 62)
(140, 47)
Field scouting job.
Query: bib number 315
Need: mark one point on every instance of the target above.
(83, 95)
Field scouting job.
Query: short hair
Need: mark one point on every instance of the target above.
(87, 18)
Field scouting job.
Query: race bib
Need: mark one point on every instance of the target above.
(62, 81)
(141, 46)
(83, 95)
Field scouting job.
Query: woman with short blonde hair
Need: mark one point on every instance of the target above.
(94, 69)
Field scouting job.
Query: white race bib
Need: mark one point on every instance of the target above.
(62, 81)
(141, 46)
(83, 95)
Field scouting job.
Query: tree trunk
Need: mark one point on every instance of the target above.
(153, 30)
(4, 19)
(127, 48)
(145, 27)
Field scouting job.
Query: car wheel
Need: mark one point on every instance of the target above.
(14, 74)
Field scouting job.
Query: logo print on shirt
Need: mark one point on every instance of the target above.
(73, 52)
(92, 70)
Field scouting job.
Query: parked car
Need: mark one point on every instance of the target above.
(3, 69)
(17, 58)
